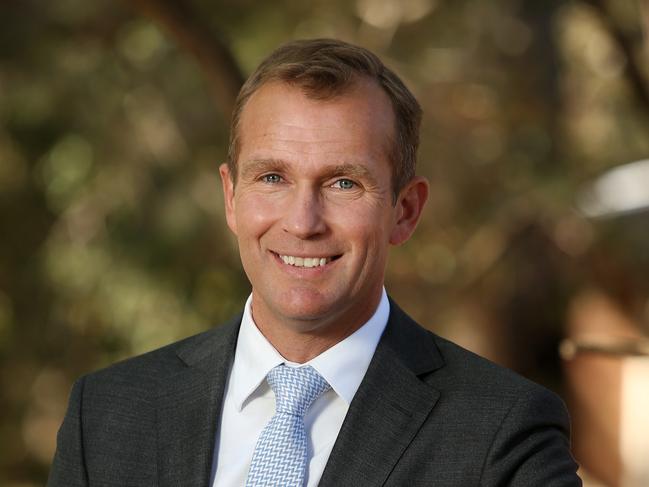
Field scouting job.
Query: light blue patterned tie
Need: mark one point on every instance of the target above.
(280, 456)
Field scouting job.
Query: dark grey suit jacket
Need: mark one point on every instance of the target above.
(427, 413)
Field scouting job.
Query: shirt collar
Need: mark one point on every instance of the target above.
(343, 366)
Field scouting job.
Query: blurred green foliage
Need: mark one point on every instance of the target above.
(112, 236)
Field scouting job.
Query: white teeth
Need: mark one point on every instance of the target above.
(304, 261)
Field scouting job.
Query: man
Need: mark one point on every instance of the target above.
(320, 181)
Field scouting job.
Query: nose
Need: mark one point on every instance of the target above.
(304, 216)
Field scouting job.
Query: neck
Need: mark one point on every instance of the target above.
(300, 341)
(300, 347)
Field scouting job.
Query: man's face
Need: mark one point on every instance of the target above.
(312, 207)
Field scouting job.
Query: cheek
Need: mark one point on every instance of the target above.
(254, 215)
(370, 236)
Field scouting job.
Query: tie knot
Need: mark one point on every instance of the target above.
(295, 388)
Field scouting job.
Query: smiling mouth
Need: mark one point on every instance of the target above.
(306, 261)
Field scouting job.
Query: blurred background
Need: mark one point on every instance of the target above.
(533, 250)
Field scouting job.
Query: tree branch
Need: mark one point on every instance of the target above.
(179, 20)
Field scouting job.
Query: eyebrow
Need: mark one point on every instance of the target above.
(356, 171)
(254, 167)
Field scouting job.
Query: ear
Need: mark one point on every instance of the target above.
(410, 204)
(228, 195)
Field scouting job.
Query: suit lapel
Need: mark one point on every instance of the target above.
(189, 406)
(389, 407)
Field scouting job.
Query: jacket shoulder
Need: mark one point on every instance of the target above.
(447, 364)
(517, 432)
(469, 369)
(141, 374)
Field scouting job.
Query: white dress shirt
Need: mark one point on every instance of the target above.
(249, 403)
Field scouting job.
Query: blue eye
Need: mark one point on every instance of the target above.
(344, 184)
(271, 178)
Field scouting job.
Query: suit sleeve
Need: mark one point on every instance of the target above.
(532, 446)
(68, 468)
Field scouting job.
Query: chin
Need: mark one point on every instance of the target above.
(306, 311)
(303, 305)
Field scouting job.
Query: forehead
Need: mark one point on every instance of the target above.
(280, 117)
